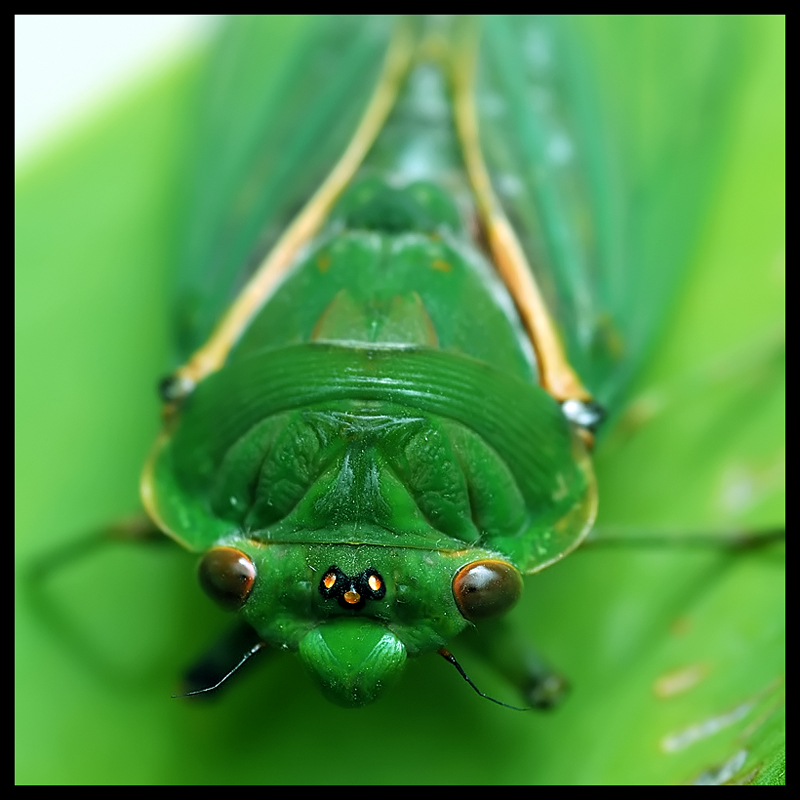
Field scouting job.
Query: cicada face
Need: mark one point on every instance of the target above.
(356, 612)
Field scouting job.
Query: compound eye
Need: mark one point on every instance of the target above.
(226, 575)
(486, 588)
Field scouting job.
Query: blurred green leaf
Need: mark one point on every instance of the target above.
(676, 657)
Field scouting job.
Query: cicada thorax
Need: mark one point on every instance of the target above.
(387, 386)
(376, 449)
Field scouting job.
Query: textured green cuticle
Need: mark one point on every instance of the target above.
(353, 659)
(374, 204)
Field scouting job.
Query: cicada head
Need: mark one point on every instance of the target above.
(354, 613)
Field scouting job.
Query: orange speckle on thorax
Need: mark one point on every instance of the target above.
(323, 262)
(441, 266)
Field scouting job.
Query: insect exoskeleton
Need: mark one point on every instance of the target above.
(355, 620)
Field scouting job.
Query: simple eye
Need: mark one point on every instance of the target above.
(352, 592)
(486, 588)
(227, 576)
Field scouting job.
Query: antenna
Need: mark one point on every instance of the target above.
(448, 656)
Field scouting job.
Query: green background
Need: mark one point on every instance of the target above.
(675, 656)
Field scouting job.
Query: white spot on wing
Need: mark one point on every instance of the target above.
(723, 773)
(673, 742)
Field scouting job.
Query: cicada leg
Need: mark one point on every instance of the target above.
(37, 576)
(508, 652)
(129, 529)
(227, 655)
(733, 540)
(718, 399)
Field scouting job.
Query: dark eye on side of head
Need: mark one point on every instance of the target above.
(486, 588)
(227, 576)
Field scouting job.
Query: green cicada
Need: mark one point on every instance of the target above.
(418, 256)
(380, 425)
(383, 433)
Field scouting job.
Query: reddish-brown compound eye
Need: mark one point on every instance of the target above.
(486, 588)
(227, 576)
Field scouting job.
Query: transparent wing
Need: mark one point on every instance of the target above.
(606, 187)
(279, 101)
